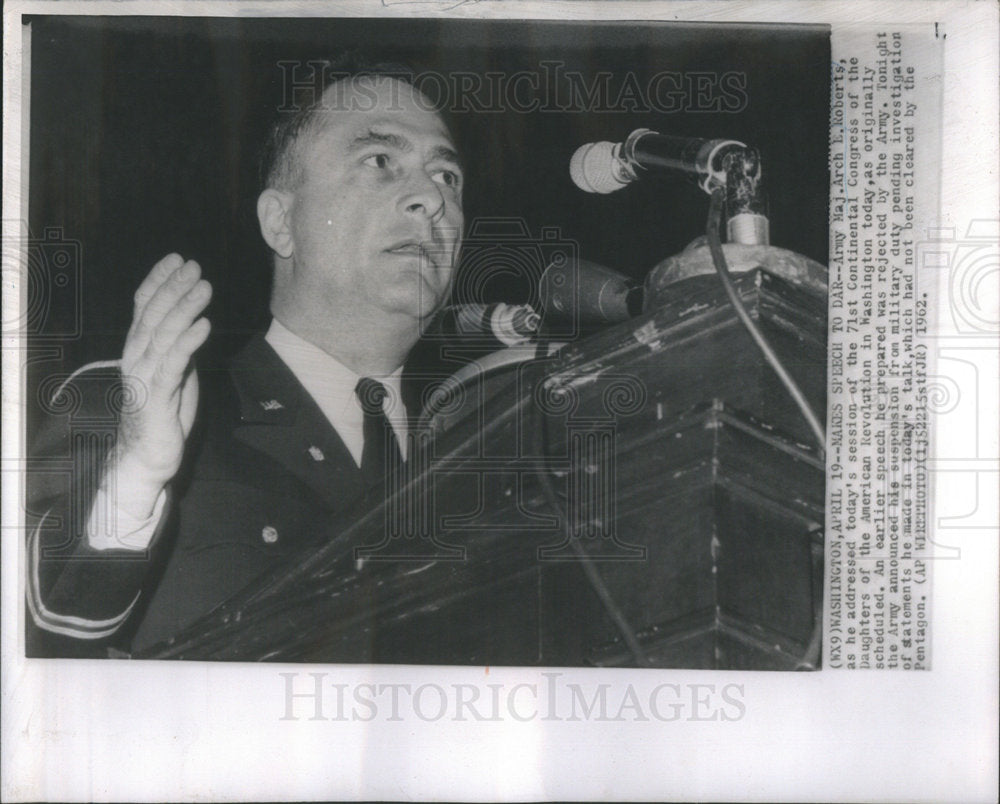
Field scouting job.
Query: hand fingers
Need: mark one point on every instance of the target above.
(177, 319)
(169, 373)
(157, 276)
(164, 297)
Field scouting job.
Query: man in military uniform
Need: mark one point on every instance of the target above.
(362, 211)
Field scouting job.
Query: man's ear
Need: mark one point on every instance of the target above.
(274, 209)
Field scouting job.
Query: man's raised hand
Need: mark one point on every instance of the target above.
(156, 365)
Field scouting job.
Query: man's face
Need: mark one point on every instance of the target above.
(376, 220)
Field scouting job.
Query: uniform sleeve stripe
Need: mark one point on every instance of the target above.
(97, 364)
(79, 627)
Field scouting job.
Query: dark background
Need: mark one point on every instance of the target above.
(145, 135)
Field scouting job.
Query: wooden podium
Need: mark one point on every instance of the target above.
(664, 448)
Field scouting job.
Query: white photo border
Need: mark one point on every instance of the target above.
(82, 730)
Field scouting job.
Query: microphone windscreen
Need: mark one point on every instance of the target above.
(587, 293)
(592, 168)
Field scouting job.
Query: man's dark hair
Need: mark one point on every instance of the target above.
(279, 164)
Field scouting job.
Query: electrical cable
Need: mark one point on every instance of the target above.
(810, 658)
(721, 268)
(540, 447)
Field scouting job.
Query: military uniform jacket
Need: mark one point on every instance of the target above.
(264, 474)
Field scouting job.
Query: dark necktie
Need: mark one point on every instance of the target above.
(381, 453)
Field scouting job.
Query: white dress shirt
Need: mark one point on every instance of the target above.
(331, 385)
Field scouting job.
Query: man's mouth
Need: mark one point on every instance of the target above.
(412, 248)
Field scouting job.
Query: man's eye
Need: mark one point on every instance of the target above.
(380, 161)
(449, 178)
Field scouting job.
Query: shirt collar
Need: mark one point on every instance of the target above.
(331, 384)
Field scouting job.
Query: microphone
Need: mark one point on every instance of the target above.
(497, 324)
(603, 167)
(588, 293)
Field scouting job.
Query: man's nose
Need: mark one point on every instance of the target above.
(423, 197)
